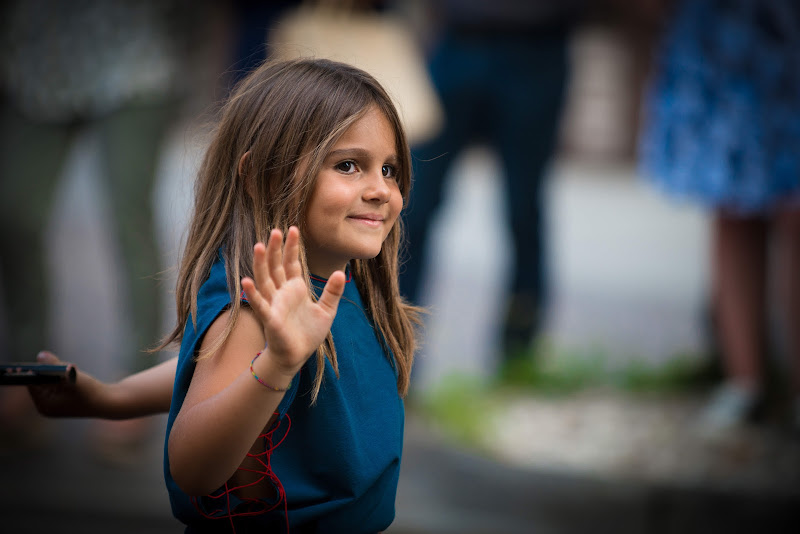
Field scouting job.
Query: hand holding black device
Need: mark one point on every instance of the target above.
(27, 374)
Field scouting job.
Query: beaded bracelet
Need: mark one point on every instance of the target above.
(273, 388)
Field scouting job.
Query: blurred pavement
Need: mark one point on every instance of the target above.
(61, 487)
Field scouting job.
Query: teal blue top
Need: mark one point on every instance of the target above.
(339, 461)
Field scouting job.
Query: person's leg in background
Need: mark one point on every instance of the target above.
(740, 264)
(456, 73)
(529, 79)
(132, 139)
(787, 272)
(453, 70)
(31, 161)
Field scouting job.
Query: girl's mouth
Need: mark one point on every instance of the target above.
(368, 220)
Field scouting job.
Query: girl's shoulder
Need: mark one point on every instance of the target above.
(213, 298)
(215, 286)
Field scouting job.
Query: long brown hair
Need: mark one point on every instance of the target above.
(288, 115)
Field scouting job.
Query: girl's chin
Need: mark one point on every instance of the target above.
(367, 256)
(356, 255)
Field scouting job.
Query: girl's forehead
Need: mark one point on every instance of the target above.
(373, 127)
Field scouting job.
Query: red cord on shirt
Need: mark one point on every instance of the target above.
(253, 506)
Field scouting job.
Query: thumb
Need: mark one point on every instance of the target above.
(334, 289)
(47, 357)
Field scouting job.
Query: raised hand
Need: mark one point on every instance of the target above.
(294, 325)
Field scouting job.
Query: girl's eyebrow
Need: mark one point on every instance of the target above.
(357, 153)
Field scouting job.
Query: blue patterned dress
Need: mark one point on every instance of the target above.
(722, 116)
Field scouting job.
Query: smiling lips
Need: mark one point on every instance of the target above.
(369, 219)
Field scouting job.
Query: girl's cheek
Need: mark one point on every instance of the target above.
(397, 202)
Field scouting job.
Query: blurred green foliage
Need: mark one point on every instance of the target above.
(461, 403)
(570, 372)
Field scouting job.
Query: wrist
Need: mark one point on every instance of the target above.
(269, 373)
(101, 399)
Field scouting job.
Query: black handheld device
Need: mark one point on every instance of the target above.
(26, 374)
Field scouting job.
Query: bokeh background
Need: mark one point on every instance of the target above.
(596, 430)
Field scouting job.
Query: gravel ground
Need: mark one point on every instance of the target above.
(646, 438)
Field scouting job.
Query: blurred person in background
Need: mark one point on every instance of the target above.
(722, 128)
(251, 21)
(66, 67)
(501, 69)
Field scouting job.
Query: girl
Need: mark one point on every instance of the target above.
(310, 164)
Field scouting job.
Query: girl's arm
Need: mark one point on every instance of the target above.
(226, 408)
(148, 392)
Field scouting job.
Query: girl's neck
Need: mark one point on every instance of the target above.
(348, 277)
(323, 273)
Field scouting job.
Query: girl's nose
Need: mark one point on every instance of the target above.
(377, 189)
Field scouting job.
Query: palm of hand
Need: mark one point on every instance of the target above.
(294, 325)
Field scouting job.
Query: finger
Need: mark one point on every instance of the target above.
(261, 276)
(47, 357)
(291, 254)
(332, 294)
(257, 302)
(275, 258)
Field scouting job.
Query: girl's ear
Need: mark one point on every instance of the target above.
(244, 163)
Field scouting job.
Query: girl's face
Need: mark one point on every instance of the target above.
(356, 199)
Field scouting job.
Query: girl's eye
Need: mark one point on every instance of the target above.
(347, 167)
(389, 171)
